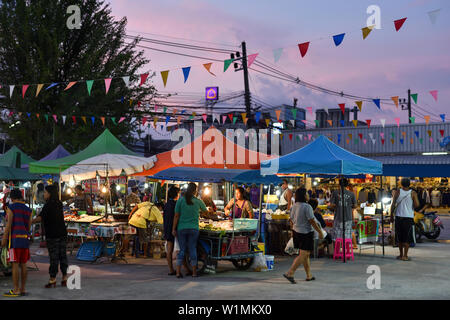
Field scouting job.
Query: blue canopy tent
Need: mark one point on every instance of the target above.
(57, 153)
(322, 156)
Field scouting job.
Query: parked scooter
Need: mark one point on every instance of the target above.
(427, 224)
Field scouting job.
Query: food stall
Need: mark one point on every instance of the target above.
(235, 240)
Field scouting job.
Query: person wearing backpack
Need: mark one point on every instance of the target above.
(403, 204)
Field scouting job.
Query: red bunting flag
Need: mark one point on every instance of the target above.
(434, 93)
(399, 23)
(24, 89)
(290, 136)
(442, 133)
(204, 116)
(342, 106)
(74, 119)
(144, 77)
(360, 135)
(368, 121)
(303, 48)
(382, 141)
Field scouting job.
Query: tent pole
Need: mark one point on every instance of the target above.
(59, 183)
(261, 197)
(343, 216)
(167, 190)
(382, 213)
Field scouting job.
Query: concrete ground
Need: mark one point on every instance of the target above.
(427, 276)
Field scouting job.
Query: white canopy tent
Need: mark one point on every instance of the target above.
(107, 165)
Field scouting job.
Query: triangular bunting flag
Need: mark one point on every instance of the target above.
(244, 117)
(37, 115)
(208, 67)
(234, 120)
(441, 132)
(414, 96)
(121, 119)
(359, 104)
(84, 119)
(310, 110)
(339, 138)
(155, 120)
(398, 121)
(267, 122)
(70, 85)
(227, 63)
(392, 141)
(366, 31)
(303, 47)
(113, 119)
(24, 90)
(427, 119)
(404, 133)
(89, 84)
(224, 118)
(368, 121)
(399, 23)
(382, 141)
(204, 116)
(429, 133)
(168, 119)
(360, 135)
(144, 77)
(395, 99)
(164, 76)
(383, 122)
(382, 134)
(338, 39)
(417, 133)
(377, 103)
(126, 79)
(55, 117)
(64, 120)
(133, 119)
(46, 117)
(330, 122)
(292, 122)
(28, 114)
(434, 93)
(93, 120)
(103, 120)
(74, 120)
(178, 120)
(257, 116)
(186, 71)
(230, 116)
(250, 59)
(277, 54)
(317, 122)
(442, 117)
(342, 123)
(342, 106)
(355, 123)
(433, 15)
(52, 85)
(39, 88)
(278, 113)
(11, 89)
(294, 113)
(107, 84)
(412, 119)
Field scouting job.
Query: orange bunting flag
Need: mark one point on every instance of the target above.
(355, 123)
(38, 88)
(164, 76)
(395, 99)
(103, 120)
(208, 67)
(330, 122)
(359, 104)
(278, 112)
(412, 140)
(366, 31)
(427, 119)
(70, 85)
(404, 134)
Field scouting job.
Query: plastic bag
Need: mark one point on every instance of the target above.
(290, 250)
(259, 263)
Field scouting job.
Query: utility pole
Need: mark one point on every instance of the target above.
(246, 85)
(408, 105)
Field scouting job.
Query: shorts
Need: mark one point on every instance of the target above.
(404, 229)
(143, 235)
(304, 241)
(19, 255)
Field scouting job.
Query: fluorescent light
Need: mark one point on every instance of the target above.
(434, 153)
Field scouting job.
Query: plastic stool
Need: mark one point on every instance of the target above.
(338, 252)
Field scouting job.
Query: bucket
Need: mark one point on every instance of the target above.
(269, 262)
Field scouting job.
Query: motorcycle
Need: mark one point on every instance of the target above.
(427, 224)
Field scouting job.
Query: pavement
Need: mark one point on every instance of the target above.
(426, 276)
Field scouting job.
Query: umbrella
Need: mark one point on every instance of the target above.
(107, 165)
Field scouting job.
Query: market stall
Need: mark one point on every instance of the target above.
(220, 238)
(323, 157)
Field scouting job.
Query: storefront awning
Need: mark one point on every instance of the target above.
(415, 165)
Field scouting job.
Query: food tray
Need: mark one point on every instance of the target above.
(280, 216)
(245, 224)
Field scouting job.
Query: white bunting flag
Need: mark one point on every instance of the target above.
(373, 141)
(326, 110)
(383, 122)
(216, 117)
(127, 81)
(301, 136)
(293, 123)
(371, 135)
(64, 120)
(133, 119)
(11, 89)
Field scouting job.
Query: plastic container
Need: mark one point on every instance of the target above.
(90, 251)
(245, 224)
(269, 262)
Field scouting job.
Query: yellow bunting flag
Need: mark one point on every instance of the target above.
(355, 123)
(179, 120)
(330, 122)
(395, 99)
(84, 119)
(38, 89)
(155, 120)
(164, 76)
(70, 85)
(359, 104)
(281, 135)
(278, 112)
(131, 102)
(244, 117)
(427, 119)
(350, 136)
(366, 31)
(267, 122)
(208, 67)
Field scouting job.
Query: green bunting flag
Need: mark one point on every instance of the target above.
(317, 122)
(294, 113)
(46, 117)
(234, 120)
(226, 64)
(113, 119)
(413, 119)
(414, 96)
(89, 84)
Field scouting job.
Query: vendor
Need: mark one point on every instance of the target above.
(139, 217)
(133, 197)
(242, 208)
(286, 197)
(81, 200)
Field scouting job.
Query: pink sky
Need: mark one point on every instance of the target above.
(386, 64)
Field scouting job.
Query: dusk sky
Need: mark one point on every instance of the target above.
(383, 65)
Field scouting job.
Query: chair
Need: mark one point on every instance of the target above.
(338, 251)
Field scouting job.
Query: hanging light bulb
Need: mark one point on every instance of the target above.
(118, 188)
(104, 190)
(69, 191)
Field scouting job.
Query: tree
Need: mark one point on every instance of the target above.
(37, 47)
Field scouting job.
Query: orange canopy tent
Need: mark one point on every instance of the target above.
(210, 150)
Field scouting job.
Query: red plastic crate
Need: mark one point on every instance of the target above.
(239, 245)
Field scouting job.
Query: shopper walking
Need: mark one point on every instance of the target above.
(303, 225)
(186, 226)
(169, 215)
(52, 216)
(404, 202)
(16, 236)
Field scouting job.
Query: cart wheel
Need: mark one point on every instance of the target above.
(242, 264)
(202, 258)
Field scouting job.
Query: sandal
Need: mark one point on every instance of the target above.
(172, 273)
(310, 279)
(291, 279)
(11, 294)
(406, 259)
(399, 258)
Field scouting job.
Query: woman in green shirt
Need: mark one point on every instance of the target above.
(186, 226)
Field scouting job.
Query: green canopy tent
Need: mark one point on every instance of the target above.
(105, 143)
(15, 158)
(7, 174)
